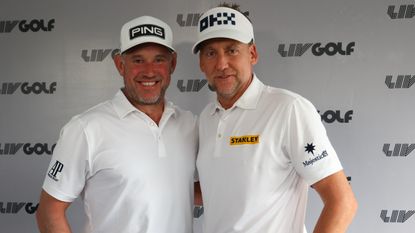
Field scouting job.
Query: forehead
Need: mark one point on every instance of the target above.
(147, 47)
(220, 43)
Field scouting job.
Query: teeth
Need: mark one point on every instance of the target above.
(148, 83)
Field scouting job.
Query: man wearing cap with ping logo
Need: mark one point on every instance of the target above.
(260, 147)
(132, 158)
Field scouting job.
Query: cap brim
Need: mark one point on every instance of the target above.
(144, 42)
(226, 33)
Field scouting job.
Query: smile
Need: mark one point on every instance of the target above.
(147, 84)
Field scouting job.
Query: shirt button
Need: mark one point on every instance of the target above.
(219, 135)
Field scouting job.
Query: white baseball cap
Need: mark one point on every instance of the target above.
(145, 29)
(223, 22)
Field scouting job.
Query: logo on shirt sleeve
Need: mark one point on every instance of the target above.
(246, 139)
(310, 148)
(55, 171)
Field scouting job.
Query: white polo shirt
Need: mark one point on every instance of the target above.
(133, 175)
(257, 159)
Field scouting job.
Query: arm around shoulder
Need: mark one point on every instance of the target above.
(50, 215)
(340, 204)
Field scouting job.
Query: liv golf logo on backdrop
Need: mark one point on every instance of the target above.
(98, 55)
(27, 88)
(33, 25)
(191, 85)
(331, 116)
(401, 12)
(396, 216)
(17, 207)
(27, 148)
(188, 20)
(398, 149)
(317, 49)
(400, 81)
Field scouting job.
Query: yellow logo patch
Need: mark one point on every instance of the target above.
(246, 139)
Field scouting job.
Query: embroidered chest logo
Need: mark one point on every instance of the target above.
(246, 139)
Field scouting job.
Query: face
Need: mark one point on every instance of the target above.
(146, 70)
(228, 67)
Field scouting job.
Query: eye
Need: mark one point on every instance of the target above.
(210, 53)
(233, 51)
(160, 59)
(138, 60)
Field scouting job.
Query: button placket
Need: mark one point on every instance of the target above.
(219, 136)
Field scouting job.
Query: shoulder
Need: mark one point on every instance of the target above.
(92, 115)
(284, 97)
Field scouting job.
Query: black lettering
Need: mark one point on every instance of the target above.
(213, 19)
(8, 26)
(191, 20)
(204, 23)
(51, 25)
(316, 50)
(332, 48)
(102, 54)
(30, 208)
(23, 26)
(350, 48)
(391, 12)
(17, 207)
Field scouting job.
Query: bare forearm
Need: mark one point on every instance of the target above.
(50, 215)
(336, 218)
(52, 224)
(340, 205)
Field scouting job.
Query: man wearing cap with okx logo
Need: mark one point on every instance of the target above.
(132, 158)
(260, 147)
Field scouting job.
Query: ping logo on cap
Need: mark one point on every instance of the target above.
(147, 30)
(217, 19)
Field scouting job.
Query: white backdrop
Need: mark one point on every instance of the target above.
(353, 59)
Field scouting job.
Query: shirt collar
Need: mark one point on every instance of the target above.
(248, 100)
(123, 107)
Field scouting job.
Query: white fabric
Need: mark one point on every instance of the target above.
(133, 175)
(145, 29)
(223, 22)
(260, 185)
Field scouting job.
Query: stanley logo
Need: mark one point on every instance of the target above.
(246, 139)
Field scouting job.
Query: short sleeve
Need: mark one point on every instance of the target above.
(309, 147)
(66, 175)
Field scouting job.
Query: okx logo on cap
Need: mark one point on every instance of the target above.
(145, 29)
(223, 22)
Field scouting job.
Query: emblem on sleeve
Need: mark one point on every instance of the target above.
(310, 148)
(55, 171)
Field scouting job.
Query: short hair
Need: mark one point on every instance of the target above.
(236, 7)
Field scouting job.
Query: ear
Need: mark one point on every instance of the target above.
(253, 53)
(119, 64)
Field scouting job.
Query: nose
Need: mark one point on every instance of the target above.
(149, 70)
(221, 62)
